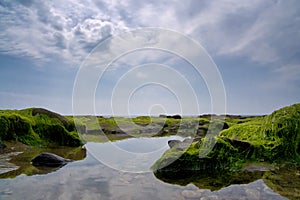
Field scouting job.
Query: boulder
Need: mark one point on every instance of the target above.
(177, 144)
(49, 160)
(174, 116)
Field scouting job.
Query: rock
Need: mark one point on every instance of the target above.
(252, 194)
(180, 145)
(174, 116)
(2, 146)
(172, 143)
(49, 160)
(68, 125)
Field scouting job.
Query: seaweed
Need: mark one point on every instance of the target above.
(37, 127)
(274, 138)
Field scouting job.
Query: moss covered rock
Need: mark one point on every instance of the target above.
(36, 126)
(274, 138)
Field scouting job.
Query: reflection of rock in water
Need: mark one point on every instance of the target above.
(23, 159)
(210, 180)
(284, 181)
(6, 166)
(254, 190)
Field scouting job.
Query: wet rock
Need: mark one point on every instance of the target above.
(173, 143)
(180, 145)
(49, 160)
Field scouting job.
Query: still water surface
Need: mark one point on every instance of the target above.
(91, 179)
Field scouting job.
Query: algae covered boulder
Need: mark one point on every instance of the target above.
(273, 138)
(37, 126)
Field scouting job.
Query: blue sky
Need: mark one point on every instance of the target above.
(255, 45)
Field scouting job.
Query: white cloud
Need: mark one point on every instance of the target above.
(42, 30)
(262, 31)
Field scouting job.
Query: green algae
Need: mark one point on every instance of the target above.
(35, 126)
(274, 138)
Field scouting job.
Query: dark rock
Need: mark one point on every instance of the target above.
(207, 116)
(172, 143)
(241, 145)
(180, 145)
(174, 116)
(49, 160)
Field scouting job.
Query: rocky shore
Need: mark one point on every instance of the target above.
(273, 139)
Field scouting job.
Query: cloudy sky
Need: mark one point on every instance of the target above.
(254, 43)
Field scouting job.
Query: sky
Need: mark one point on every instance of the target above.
(254, 44)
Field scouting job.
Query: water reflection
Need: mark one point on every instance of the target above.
(208, 180)
(284, 181)
(91, 179)
(17, 161)
(134, 155)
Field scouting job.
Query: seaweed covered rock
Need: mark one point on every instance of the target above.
(36, 126)
(274, 138)
(70, 126)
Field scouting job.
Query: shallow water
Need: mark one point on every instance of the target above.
(91, 179)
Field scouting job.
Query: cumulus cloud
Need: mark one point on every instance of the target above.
(261, 31)
(43, 30)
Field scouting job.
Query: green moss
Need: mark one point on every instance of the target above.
(37, 127)
(274, 138)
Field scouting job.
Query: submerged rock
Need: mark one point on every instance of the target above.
(49, 160)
